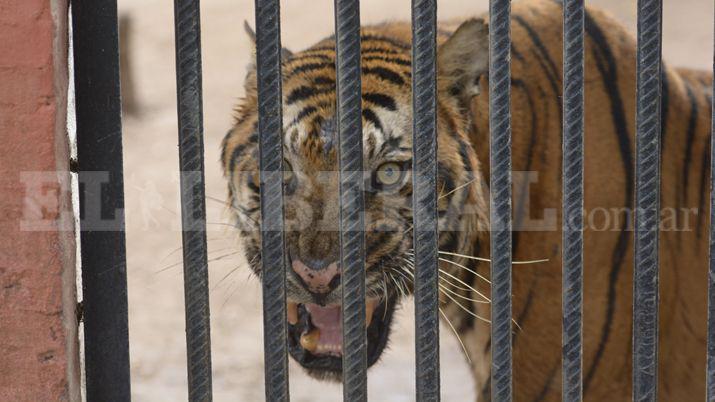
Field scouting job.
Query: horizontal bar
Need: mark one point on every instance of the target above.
(270, 132)
(572, 182)
(424, 201)
(648, 128)
(99, 153)
(500, 196)
(352, 225)
(193, 204)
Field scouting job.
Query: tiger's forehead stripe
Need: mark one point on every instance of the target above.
(309, 96)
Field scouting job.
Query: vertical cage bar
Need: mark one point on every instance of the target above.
(424, 201)
(270, 128)
(352, 225)
(500, 195)
(99, 153)
(648, 127)
(710, 387)
(193, 205)
(572, 190)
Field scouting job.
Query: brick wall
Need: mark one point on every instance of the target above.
(38, 331)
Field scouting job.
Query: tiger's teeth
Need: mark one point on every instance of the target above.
(370, 305)
(309, 340)
(329, 348)
(292, 313)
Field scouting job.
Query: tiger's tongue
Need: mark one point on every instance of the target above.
(326, 337)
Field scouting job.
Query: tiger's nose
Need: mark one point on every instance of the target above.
(318, 278)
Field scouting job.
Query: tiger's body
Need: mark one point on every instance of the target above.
(463, 138)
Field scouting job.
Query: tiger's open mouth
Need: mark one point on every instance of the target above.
(315, 335)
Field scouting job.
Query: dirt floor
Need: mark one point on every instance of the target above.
(156, 318)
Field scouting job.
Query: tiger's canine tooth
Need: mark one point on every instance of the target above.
(309, 340)
(370, 306)
(292, 313)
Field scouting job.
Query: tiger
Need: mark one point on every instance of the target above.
(311, 191)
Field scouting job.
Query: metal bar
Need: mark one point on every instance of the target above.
(193, 205)
(572, 220)
(424, 202)
(99, 153)
(270, 128)
(710, 388)
(648, 127)
(500, 196)
(352, 225)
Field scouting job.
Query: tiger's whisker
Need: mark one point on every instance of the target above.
(442, 278)
(485, 301)
(229, 296)
(466, 310)
(446, 289)
(461, 186)
(464, 348)
(232, 207)
(471, 257)
(466, 269)
(460, 287)
(516, 324)
(468, 288)
(453, 285)
(226, 276)
(445, 280)
(221, 224)
(465, 284)
(210, 260)
(384, 288)
(398, 285)
(404, 278)
(444, 184)
(237, 284)
(176, 250)
(389, 277)
(488, 260)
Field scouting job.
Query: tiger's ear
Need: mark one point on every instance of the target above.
(463, 58)
(251, 70)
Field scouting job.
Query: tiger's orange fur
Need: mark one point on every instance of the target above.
(463, 136)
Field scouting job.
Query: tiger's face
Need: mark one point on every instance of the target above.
(311, 181)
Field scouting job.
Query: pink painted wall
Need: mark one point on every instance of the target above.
(38, 326)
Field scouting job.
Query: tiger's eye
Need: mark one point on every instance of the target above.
(256, 178)
(388, 174)
(288, 174)
(289, 178)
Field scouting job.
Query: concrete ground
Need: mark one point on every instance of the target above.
(156, 318)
